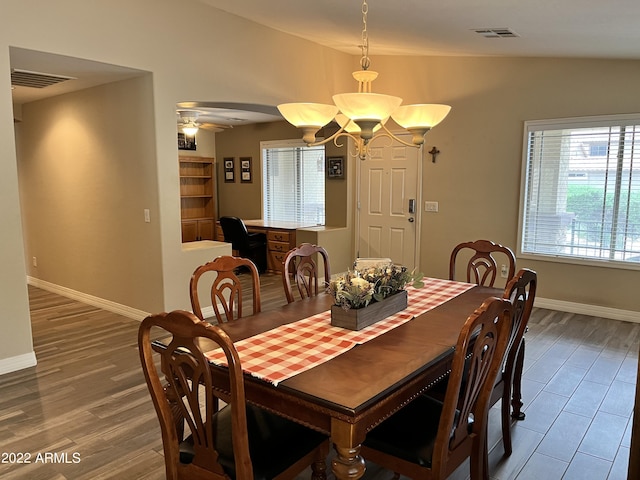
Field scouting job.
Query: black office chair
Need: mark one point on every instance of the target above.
(248, 245)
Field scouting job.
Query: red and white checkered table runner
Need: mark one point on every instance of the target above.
(288, 350)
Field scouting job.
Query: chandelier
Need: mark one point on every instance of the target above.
(362, 116)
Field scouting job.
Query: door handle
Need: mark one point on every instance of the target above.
(411, 219)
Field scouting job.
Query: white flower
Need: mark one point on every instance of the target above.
(360, 282)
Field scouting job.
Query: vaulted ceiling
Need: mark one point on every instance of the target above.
(542, 28)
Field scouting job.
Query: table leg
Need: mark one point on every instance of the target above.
(347, 464)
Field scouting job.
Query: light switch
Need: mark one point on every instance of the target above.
(431, 207)
(147, 215)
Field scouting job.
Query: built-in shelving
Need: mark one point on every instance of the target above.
(197, 198)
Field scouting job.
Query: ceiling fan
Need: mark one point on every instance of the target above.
(189, 122)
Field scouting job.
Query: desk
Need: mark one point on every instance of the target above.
(281, 237)
(347, 396)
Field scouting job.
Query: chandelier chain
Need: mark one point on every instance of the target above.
(365, 63)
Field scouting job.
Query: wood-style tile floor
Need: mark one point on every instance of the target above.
(84, 412)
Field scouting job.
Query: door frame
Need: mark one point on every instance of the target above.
(418, 215)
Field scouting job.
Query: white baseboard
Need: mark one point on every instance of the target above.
(19, 362)
(108, 305)
(551, 304)
(592, 310)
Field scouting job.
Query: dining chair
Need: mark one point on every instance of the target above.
(238, 441)
(226, 288)
(482, 266)
(428, 438)
(300, 264)
(252, 245)
(521, 291)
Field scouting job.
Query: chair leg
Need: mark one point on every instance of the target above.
(479, 460)
(485, 458)
(516, 401)
(506, 419)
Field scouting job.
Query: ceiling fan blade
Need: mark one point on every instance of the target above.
(214, 126)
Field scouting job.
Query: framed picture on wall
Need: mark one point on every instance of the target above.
(229, 169)
(335, 167)
(245, 170)
(186, 142)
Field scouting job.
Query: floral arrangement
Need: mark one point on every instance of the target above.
(357, 289)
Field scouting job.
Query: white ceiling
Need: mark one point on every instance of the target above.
(544, 28)
(85, 73)
(88, 73)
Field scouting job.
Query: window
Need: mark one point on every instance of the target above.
(293, 182)
(581, 190)
(598, 149)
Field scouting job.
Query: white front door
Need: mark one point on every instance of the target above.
(389, 180)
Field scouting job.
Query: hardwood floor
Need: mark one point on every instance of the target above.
(84, 412)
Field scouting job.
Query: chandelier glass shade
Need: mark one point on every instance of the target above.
(362, 115)
(309, 117)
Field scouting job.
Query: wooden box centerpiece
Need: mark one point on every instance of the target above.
(371, 292)
(358, 318)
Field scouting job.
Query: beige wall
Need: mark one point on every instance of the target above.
(88, 170)
(143, 35)
(338, 194)
(238, 199)
(205, 145)
(244, 200)
(476, 179)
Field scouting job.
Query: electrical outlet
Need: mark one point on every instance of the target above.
(503, 271)
(34, 261)
(431, 207)
(147, 215)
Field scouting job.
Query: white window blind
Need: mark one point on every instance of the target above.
(581, 195)
(293, 182)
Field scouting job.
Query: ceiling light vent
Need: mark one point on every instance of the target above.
(26, 78)
(496, 32)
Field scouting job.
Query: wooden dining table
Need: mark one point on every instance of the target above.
(346, 396)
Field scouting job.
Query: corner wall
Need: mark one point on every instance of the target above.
(16, 345)
(87, 172)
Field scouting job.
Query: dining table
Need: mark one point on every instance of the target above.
(299, 366)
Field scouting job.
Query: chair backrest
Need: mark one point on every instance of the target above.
(226, 287)
(521, 291)
(235, 232)
(482, 267)
(188, 382)
(481, 345)
(300, 262)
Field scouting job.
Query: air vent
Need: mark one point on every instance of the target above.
(26, 78)
(496, 32)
